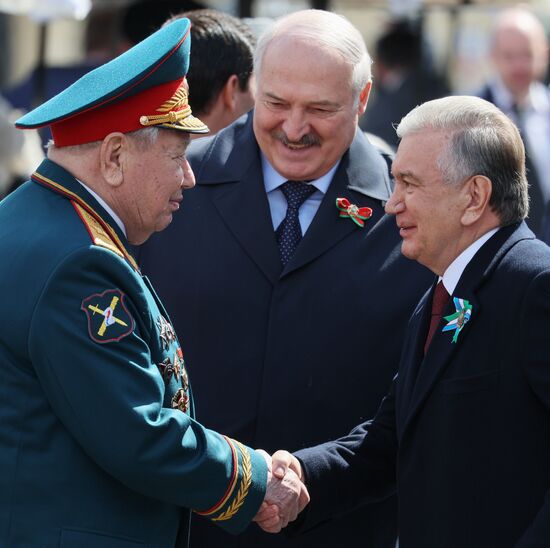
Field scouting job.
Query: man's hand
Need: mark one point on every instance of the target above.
(282, 461)
(286, 496)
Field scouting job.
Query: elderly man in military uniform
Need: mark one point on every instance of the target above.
(99, 445)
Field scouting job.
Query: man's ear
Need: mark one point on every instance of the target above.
(111, 156)
(363, 98)
(478, 194)
(229, 93)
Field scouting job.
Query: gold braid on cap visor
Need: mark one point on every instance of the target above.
(175, 109)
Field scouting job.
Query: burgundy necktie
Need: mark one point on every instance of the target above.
(440, 299)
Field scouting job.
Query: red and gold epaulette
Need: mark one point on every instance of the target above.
(101, 234)
(97, 233)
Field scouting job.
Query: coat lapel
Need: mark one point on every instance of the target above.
(442, 349)
(232, 170)
(245, 210)
(232, 174)
(412, 356)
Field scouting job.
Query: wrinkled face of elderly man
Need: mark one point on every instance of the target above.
(153, 177)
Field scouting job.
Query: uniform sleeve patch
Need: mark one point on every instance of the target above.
(108, 317)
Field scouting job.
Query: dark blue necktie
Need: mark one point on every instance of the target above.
(289, 232)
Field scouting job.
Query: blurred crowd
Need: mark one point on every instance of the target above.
(405, 74)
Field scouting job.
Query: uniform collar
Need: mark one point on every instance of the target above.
(106, 207)
(57, 179)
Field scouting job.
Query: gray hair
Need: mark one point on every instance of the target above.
(328, 30)
(483, 141)
(145, 137)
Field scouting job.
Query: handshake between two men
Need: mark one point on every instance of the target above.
(286, 494)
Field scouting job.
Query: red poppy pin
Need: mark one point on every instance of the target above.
(350, 211)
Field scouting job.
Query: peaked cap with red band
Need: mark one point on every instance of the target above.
(143, 87)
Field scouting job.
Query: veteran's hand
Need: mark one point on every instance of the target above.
(286, 496)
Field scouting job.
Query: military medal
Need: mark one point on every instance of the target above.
(166, 368)
(167, 333)
(179, 368)
(184, 379)
(180, 400)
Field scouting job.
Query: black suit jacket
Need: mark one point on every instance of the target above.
(467, 441)
(294, 357)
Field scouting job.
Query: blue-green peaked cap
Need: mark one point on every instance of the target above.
(162, 57)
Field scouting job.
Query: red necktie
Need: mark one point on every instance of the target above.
(440, 299)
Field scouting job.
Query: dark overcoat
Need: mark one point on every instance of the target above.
(464, 434)
(286, 358)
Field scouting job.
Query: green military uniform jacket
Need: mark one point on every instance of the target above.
(98, 442)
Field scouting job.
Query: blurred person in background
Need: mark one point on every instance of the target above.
(143, 17)
(519, 55)
(220, 74)
(290, 291)
(19, 152)
(46, 79)
(402, 79)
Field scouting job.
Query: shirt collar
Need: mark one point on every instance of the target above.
(106, 207)
(273, 179)
(537, 99)
(454, 271)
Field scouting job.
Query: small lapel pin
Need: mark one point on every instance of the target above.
(458, 320)
(350, 211)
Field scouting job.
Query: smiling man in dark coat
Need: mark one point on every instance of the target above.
(307, 303)
(464, 434)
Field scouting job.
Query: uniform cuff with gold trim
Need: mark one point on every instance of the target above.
(245, 492)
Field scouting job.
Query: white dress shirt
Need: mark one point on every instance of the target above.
(277, 200)
(454, 271)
